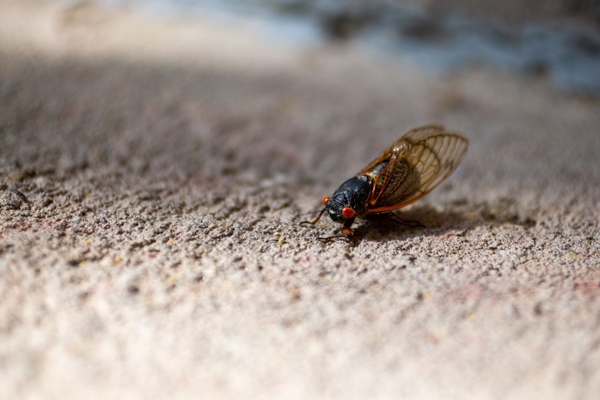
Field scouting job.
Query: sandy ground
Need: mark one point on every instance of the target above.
(157, 252)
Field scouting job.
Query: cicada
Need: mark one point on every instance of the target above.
(408, 170)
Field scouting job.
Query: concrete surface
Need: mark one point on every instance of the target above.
(157, 252)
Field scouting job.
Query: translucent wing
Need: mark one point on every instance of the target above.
(413, 166)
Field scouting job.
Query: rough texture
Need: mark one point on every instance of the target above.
(153, 176)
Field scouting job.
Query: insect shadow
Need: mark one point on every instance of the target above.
(430, 223)
(421, 220)
(433, 223)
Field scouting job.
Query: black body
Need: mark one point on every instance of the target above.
(353, 194)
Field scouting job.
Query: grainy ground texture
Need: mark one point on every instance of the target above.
(156, 251)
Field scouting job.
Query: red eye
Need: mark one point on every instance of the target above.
(348, 213)
(325, 200)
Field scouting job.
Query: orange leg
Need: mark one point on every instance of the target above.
(347, 232)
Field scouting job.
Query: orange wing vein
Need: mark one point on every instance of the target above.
(413, 166)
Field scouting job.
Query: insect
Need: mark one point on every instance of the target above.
(408, 170)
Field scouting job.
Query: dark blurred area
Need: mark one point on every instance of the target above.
(521, 11)
(509, 11)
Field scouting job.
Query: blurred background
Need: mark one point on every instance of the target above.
(156, 158)
(559, 39)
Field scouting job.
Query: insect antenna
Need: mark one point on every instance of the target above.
(316, 220)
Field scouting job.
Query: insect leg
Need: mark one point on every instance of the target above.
(406, 222)
(391, 217)
(347, 232)
(332, 237)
